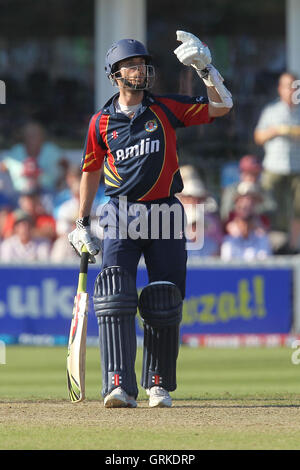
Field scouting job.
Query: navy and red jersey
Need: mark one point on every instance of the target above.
(139, 155)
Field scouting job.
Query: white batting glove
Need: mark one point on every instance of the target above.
(195, 53)
(82, 236)
(192, 51)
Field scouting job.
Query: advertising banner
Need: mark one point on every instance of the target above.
(237, 300)
(36, 303)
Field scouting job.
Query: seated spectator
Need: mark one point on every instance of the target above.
(72, 177)
(22, 246)
(44, 224)
(66, 211)
(250, 172)
(72, 180)
(4, 211)
(7, 200)
(34, 163)
(247, 238)
(8, 195)
(248, 188)
(202, 217)
(62, 251)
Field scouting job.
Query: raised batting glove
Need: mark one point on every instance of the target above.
(192, 51)
(82, 236)
(195, 53)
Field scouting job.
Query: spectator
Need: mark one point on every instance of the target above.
(73, 174)
(202, 217)
(278, 130)
(7, 199)
(247, 238)
(250, 172)
(66, 216)
(4, 211)
(8, 194)
(34, 163)
(72, 177)
(67, 210)
(44, 224)
(23, 246)
(62, 251)
(245, 188)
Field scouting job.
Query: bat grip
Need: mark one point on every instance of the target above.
(84, 261)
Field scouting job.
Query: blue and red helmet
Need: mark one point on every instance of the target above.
(124, 49)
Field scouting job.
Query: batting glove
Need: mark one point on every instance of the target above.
(82, 236)
(195, 53)
(192, 51)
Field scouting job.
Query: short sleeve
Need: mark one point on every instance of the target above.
(94, 149)
(188, 110)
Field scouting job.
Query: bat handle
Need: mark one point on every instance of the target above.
(84, 260)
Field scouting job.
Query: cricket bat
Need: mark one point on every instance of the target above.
(77, 338)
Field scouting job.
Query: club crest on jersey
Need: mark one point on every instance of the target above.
(151, 126)
(114, 134)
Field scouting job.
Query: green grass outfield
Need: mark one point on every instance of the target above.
(247, 398)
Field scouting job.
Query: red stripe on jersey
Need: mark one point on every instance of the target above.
(94, 153)
(170, 159)
(103, 125)
(190, 114)
(89, 157)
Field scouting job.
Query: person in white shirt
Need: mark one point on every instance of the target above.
(278, 131)
(22, 246)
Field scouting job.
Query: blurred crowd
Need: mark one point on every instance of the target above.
(257, 214)
(254, 215)
(39, 200)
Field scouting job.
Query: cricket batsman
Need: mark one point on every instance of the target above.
(132, 139)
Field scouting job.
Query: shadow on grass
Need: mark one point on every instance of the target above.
(189, 403)
(257, 402)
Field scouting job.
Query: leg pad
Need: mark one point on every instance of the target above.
(115, 304)
(160, 307)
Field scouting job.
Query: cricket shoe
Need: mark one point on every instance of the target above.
(159, 397)
(118, 398)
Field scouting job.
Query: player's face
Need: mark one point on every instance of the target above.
(133, 72)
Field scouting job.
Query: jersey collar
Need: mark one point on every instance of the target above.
(109, 108)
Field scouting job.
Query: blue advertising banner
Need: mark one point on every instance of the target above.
(237, 301)
(38, 301)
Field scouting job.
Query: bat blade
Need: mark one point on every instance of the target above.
(77, 348)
